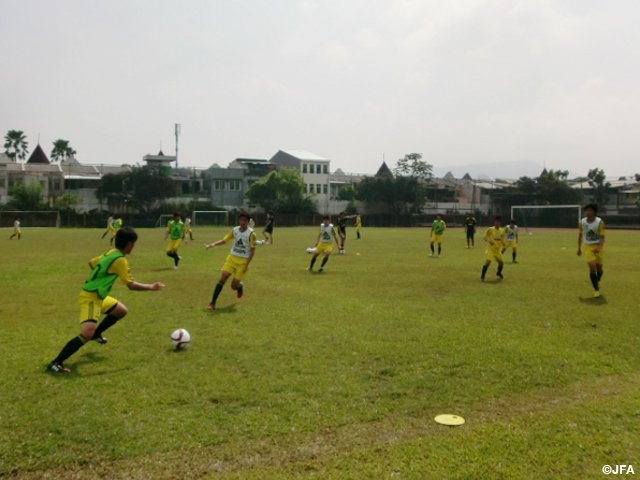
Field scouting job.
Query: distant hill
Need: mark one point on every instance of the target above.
(513, 170)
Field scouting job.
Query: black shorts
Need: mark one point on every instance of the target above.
(470, 233)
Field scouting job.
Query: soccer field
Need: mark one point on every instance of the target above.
(332, 375)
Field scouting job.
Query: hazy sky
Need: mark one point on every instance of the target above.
(462, 82)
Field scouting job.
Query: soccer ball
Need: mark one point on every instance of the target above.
(311, 250)
(180, 338)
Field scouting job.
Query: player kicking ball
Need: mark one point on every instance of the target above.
(495, 243)
(238, 260)
(324, 243)
(591, 233)
(94, 297)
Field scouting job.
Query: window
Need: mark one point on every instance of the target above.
(325, 189)
(311, 188)
(234, 184)
(304, 168)
(318, 188)
(325, 169)
(311, 168)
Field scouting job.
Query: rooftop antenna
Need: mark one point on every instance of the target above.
(178, 128)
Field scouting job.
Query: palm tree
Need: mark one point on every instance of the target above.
(15, 145)
(62, 151)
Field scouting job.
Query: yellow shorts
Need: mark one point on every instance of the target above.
(174, 245)
(493, 254)
(436, 238)
(92, 306)
(324, 248)
(235, 266)
(591, 255)
(510, 245)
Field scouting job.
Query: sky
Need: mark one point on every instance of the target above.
(550, 83)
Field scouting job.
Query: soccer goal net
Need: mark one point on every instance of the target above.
(210, 217)
(164, 219)
(563, 216)
(33, 218)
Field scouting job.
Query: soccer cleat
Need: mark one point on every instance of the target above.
(482, 279)
(500, 276)
(57, 367)
(175, 267)
(211, 307)
(101, 340)
(597, 294)
(240, 290)
(320, 270)
(431, 254)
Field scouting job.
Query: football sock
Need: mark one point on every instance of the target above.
(313, 262)
(599, 275)
(70, 348)
(432, 249)
(499, 272)
(484, 270)
(216, 293)
(513, 256)
(594, 280)
(107, 322)
(439, 249)
(324, 261)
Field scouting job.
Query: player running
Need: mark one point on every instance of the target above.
(437, 231)
(268, 229)
(591, 233)
(511, 239)
(16, 229)
(495, 242)
(238, 260)
(116, 225)
(174, 233)
(324, 243)
(94, 297)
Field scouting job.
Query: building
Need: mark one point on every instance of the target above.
(228, 186)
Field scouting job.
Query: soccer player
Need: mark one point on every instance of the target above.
(324, 244)
(495, 242)
(238, 260)
(109, 222)
(437, 231)
(174, 233)
(115, 226)
(470, 225)
(187, 229)
(342, 231)
(16, 229)
(511, 239)
(94, 297)
(358, 223)
(591, 233)
(268, 229)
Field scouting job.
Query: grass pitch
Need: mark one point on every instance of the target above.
(333, 375)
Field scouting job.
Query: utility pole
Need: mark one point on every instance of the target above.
(178, 127)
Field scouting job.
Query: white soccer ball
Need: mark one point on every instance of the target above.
(180, 338)
(311, 250)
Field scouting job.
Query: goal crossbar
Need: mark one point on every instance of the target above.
(216, 217)
(547, 207)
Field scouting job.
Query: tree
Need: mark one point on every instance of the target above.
(281, 191)
(347, 192)
(16, 145)
(597, 181)
(27, 197)
(61, 151)
(413, 166)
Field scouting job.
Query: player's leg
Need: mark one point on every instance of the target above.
(500, 267)
(327, 253)
(593, 275)
(514, 254)
(224, 276)
(485, 267)
(114, 311)
(431, 247)
(313, 260)
(439, 247)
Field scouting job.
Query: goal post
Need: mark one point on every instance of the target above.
(164, 219)
(30, 218)
(546, 215)
(210, 217)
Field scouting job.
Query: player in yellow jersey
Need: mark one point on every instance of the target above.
(174, 233)
(115, 226)
(94, 297)
(511, 239)
(238, 260)
(358, 224)
(16, 229)
(437, 231)
(495, 243)
(591, 233)
(324, 243)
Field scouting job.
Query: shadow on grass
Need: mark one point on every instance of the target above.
(595, 301)
(228, 309)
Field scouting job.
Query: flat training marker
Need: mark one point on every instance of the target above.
(448, 419)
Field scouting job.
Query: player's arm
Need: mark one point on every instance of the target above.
(222, 241)
(601, 233)
(487, 238)
(166, 233)
(579, 239)
(145, 286)
(252, 250)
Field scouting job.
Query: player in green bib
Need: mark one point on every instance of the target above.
(175, 233)
(94, 298)
(437, 231)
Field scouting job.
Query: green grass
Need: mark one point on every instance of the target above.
(333, 375)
